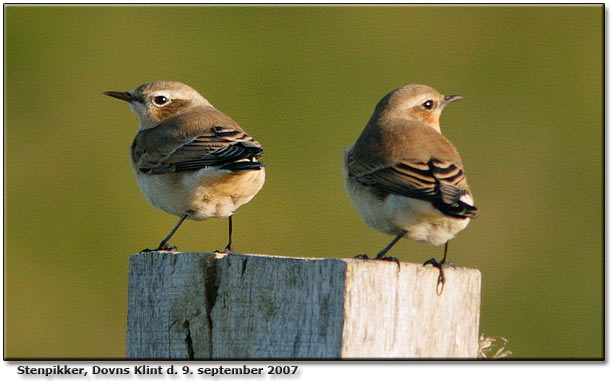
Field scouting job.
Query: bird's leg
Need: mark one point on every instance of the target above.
(441, 279)
(382, 253)
(229, 248)
(163, 246)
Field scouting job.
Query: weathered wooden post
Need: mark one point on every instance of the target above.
(236, 306)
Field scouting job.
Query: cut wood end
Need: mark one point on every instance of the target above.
(350, 261)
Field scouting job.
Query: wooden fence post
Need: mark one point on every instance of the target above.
(237, 306)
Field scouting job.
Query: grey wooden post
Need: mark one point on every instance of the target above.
(236, 306)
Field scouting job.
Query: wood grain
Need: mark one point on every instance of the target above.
(237, 306)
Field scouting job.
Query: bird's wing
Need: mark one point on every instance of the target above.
(441, 182)
(223, 147)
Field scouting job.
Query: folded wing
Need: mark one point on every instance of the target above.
(440, 182)
(219, 146)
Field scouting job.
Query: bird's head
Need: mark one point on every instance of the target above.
(415, 102)
(155, 102)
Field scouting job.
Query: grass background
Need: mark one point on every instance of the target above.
(304, 81)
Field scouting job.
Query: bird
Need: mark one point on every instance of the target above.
(404, 177)
(190, 159)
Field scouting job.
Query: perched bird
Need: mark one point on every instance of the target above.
(404, 177)
(190, 159)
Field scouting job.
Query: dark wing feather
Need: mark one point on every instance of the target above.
(222, 147)
(440, 182)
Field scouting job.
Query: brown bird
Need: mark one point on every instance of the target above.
(190, 159)
(404, 177)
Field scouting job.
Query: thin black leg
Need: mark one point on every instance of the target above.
(382, 253)
(164, 244)
(445, 253)
(229, 247)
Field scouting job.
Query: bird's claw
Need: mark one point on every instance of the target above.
(432, 262)
(160, 248)
(441, 279)
(440, 284)
(392, 259)
(227, 250)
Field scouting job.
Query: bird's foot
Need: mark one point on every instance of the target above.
(227, 250)
(441, 279)
(392, 259)
(379, 258)
(162, 247)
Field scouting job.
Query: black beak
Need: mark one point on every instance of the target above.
(123, 95)
(451, 98)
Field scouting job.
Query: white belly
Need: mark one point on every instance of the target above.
(395, 213)
(203, 194)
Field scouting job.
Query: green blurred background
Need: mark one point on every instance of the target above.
(304, 81)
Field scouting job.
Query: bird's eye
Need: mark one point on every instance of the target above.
(160, 100)
(428, 104)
